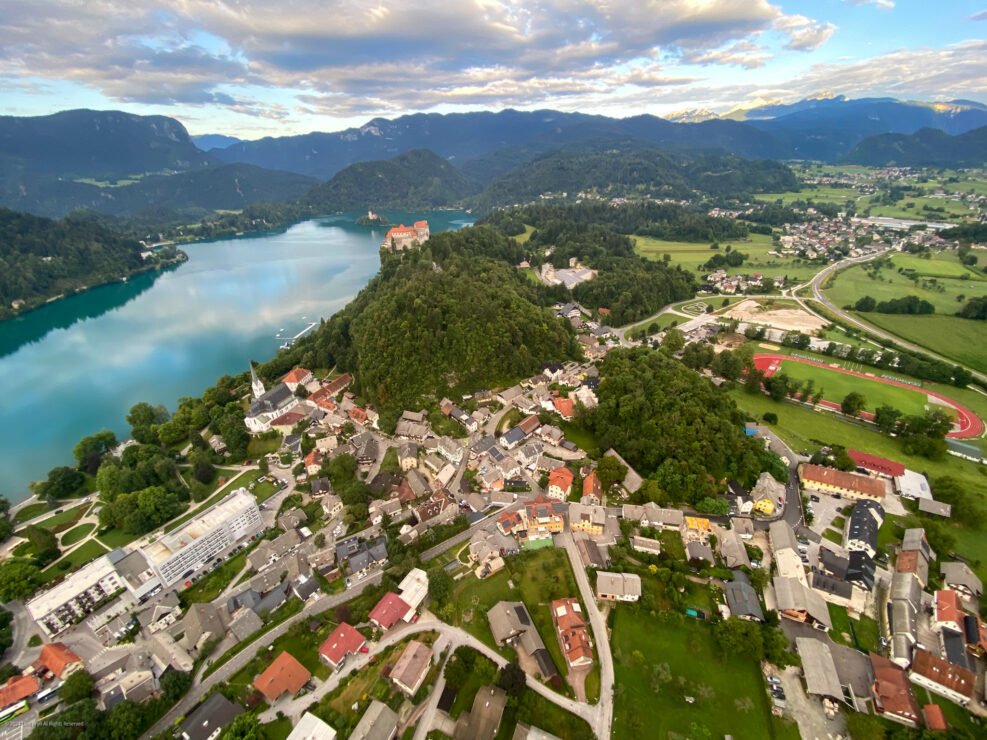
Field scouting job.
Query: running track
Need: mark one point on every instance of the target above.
(968, 423)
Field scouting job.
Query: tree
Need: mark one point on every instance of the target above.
(512, 679)
(714, 506)
(18, 579)
(244, 727)
(853, 403)
(77, 686)
(175, 684)
(440, 585)
(865, 304)
(62, 482)
(44, 542)
(673, 342)
(202, 468)
(460, 666)
(739, 637)
(125, 721)
(89, 451)
(887, 417)
(770, 417)
(610, 471)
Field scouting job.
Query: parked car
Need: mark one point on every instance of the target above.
(774, 680)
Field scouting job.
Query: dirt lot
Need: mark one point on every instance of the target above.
(786, 319)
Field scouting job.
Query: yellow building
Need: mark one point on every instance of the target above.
(764, 506)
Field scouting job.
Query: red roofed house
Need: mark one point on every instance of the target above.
(893, 698)
(18, 688)
(560, 483)
(593, 487)
(390, 610)
(287, 421)
(358, 415)
(340, 384)
(949, 613)
(838, 483)
(942, 677)
(58, 659)
(880, 465)
(564, 407)
(529, 424)
(343, 642)
(935, 720)
(572, 632)
(284, 675)
(512, 522)
(403, 237)
(298, 376)
(313, 462)
(323, 399)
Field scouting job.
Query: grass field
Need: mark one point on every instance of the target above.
(260, 446)
(692, 255)
(115, 538)
(807, 431)
(30, 511)
(211, 585)
(84, 553)
(658, 664)
(64, 519)
(77, 534)
(822, 194)
(962, 340)
(836, 385)
(922, 208)
(223, 475)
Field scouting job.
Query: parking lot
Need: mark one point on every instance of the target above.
(825, 509)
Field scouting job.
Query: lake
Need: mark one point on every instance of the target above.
(78, 365)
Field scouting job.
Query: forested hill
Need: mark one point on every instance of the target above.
(633, 171)
(416, 179)
(927, 147)
(40, 258)
(452, 317)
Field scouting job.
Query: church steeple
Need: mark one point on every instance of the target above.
(256, 385)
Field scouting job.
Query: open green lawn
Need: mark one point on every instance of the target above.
(659, 662)
(223, 476)
(692, 255)
(821, 194)
(199, 508)
(115, 538)
(956, 716)
(260, 446)
(64, 519)
(262, 491)
(922, 208)
(836, 385)
(77, 534)
(211, 585)
(30, 511)
(807, 431)
(533, 709)
(84, 553)
(279, 729)
(962, 340)
(862, 634)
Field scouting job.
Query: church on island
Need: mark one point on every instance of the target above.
(400, 238)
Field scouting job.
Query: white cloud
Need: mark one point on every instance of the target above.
(882, 4)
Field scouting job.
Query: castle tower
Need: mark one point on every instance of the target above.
(256, 385)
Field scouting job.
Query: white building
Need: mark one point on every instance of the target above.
(190, 547)
(78, 595)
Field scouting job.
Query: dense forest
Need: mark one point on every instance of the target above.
(41, 258)
(417, 179)
(927, 147)
(628, 170)
(673, 426)
(454, 315)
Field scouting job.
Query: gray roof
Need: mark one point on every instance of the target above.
(200, 619)
(742, 600)
(782, 536)
(215, 712)
(791, 595)
(914, 539)
(819, 668)
(272, 400)
(959, 574)
(906, 587)
(829, 585)
(699, 551)
(379, 722)
(511, 623)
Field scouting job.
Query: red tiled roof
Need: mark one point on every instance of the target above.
(591, 484)
(357, 414)
(948, 607)
(934, 718)
(421, 224)
(907, 562)
(284, 674)
(288, 419)
(56, 657)
(561, 477)
(389, 611)
(296, 376)
(343, 641)
(891, 690)
(17, 688)
(943, 673)
(564, 406)
(529, 424)
(510, 522)
(335, 386)
(572, 629)
(401, 231)
(876, 464)
(862, 484)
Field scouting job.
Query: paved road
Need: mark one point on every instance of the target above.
(241, 659)
(464, 536)
(602, 713)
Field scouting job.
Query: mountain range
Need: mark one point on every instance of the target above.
(927, 147)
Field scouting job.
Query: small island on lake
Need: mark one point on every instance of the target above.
(372, 219)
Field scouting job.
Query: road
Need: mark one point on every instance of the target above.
(602, 721)
(817, 292)
(241, 659)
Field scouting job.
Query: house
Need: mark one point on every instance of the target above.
(697, 552)
(892, 694)
(409, 672)
(390, 610)
(942, 677)
(742, 599)
(379, 508)
(913, 485)
(915, 539)
(878, 465)
(912, 561)
(413, 589)
(379, 722)
(200, 623)
(819, 669)
(618, 586)
(245, 622)
(313, 461)
(412, 425)
(591, 554)
(589, 519)
(292, 519)
(360, 556)
(162, 614)
(342, 643)
(208, 720)
(564, 407)
(768, 495)
(511, 624)
(450, 450)
(483, 720)
(797, 602)
(284, 676)
(310, 727)
(782, 536)
(696, 529)
(743, 526)
(732, 549)
(543, 519)
(408, 456)
(903, 610)
(839, 483)
(645, 545)
(862, 526)
(948, 613)
(573, 634)
(298, 376)
(332, 505)
(550, 435)
(59, 659)
(935, 719)
(560, 484)
(17, 689)
(961, 579)
(592, 488)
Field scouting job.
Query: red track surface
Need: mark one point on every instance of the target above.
(968, 424)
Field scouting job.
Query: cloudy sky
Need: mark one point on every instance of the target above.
(274, 67)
